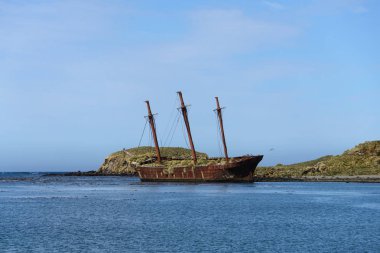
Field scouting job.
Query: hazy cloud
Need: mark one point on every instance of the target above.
(359, 9)
(337, 6)
(220, 33)
(274, 5)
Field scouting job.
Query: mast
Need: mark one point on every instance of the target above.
(184, 114)
(219, 112)
(152, 126)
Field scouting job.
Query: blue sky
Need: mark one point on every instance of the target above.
(299, 79)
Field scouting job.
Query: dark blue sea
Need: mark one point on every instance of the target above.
(121, 214)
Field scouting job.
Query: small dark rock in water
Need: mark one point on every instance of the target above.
(87, 174)
(80, 173)
(96, 173)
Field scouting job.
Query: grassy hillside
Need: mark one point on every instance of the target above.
(125, 161)
(364, 159)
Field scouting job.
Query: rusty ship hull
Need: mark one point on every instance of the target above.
(240, 169)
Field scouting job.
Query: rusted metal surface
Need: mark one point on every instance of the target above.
(240, 170)
(185, 118)
(236, 169)
(219, 112)
(152, 126)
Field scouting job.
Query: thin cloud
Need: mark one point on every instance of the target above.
(29, 27)
(221, 33)
(274, 5)
(359, 9)
(333, 7)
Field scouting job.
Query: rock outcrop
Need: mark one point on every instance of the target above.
(125, 161)
(364, 159)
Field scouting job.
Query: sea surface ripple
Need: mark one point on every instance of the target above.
(121, 214)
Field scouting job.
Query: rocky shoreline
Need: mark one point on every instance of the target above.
(359, 164)
(347, 179)
(91, 173)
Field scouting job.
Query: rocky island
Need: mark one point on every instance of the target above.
(359, 164)
(125, 161)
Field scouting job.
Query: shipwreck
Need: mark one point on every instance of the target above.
(219, 169)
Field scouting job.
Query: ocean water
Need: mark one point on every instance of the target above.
(121, 214)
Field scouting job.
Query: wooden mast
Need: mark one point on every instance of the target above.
(184, 114)
(219, 112)
(152, 126)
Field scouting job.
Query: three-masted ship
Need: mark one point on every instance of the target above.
(223, 169)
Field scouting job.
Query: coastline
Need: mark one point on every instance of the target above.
(358, 164)
(340, 178)
(346, 179)
(91, 173)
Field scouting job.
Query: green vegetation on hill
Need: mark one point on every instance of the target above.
(125, 161)
(364, 159)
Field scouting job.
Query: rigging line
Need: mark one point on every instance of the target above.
(149, 136)
(146, 121)
(220, 143)
(184, 135)
(158, 135)
(176, 125)
(151, 141)
(217, 132)
(218, 135)
(179, 113)
(171, 128)
(167, 133)
(221, 137)
(170, 119)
